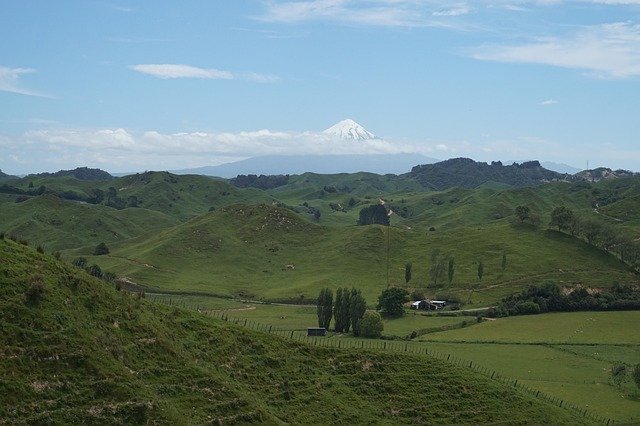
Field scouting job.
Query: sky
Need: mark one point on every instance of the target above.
(154, 85)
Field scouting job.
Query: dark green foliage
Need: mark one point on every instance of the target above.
(562, 218)
(391, 301)
(437, 269)
(260, 182)
(636, 375)
(480, 270)
(549, 297)
(40, 248)
(371, 325)
(95, 270)
(374, 214)
(407, 272)
(36, 290)
(451, 269)
(345, 310)
(101, 249)
(340, 317)
(503, 264)
(357, 309)
(325, 307)
(523, 212)
(80, 262)
(466, 173)
(80, 173)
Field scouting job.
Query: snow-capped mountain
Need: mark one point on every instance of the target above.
(349, 130)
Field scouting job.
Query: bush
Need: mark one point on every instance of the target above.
(40, 248)
(95, 270)
(371, 324)
(80, 262)
(101, 249)
(35, 292)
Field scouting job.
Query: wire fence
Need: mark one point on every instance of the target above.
(384, 345)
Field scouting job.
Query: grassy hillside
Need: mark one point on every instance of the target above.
(73, 350)
(243, 251)
(60, 224)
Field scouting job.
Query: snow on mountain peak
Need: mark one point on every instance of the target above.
(350, 130)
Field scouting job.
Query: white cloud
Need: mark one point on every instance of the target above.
(181, 71)
(548, 102)
(455, 11)
(608, 51)
(10, 82)
(384, 13)
(170, 71)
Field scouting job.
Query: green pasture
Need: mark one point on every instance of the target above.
(599, 328)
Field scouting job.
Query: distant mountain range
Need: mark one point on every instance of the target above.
(323, 164)
(6, 176)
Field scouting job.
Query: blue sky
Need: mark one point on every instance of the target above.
(136, 85)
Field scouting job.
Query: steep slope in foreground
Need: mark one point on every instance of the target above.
(74, 350)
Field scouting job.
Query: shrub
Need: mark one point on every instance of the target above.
(80, 262)
(36, 291)
(57, 255)
(371, 324)
(636, 375)
(40, 249)
(2, 235)
(95, 270)
(101, 249)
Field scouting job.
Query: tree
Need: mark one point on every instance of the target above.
(563, 218)
(504, 261)
(80, 262)
(95, 270)
(523, 213)
(391, 301)
(480, 270)
(357, 308)
(101, 249)
(407, 272)
(371, 324)
(375, 214)
(451, 269)
(437, 267)
(636, 375)
(338, 313)
(325, 307)
(346, 310)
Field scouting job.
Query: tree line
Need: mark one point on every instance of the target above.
(550, 297)
(348, 311)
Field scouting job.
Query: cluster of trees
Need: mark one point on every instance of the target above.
(347, 310)
(260, 182)
(549, 297)
(597, 234)
(374, 214)
(95, 270)
(391, 301)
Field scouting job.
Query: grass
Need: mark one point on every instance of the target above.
(242, 250)
(85, 353)
(555, 328)
(298, 318)
(568, 355)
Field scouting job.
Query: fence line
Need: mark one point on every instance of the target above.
(387, 345)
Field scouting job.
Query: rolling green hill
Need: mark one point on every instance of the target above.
(60, 224)
(74, 350)
(244, 250)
